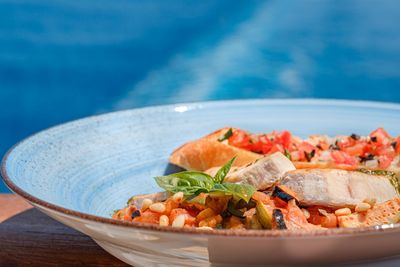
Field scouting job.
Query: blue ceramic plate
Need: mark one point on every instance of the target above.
(79, 172)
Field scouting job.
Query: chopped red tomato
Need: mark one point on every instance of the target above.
(128, 213)
(277, 148)
(380, 136)
(386, 150)
(297, 156)
(262, 144)
(345, 142)
(193, 211)
(148, 216)
(397, 144)
(284, 138)
(279, 202)
(240, 139)
(323, 146)
(306, 147)
(384, 161)
(328, 220)
(356, 150)
(340, 157)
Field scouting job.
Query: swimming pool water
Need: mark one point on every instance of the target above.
(61, 60)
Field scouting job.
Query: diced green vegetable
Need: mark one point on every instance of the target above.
(263, 215)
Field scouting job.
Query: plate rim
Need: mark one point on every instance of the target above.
(336, 232)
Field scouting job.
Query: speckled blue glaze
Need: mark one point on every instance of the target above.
(95, 164)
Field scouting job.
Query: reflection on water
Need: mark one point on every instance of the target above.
(287, 49)
(61, 60)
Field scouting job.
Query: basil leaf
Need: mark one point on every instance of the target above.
(190, 183)
(228, 134)
(288, 155)
(200, 199)
(220, 176)
(237, 191)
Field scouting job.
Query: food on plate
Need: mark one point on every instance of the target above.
(276, 181)
(266, 193)
(378, 150)
(262, 173)
(338, 188)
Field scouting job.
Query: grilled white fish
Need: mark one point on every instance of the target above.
(338, 188)
(263, 173)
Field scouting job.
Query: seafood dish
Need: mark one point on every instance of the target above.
(276, 181)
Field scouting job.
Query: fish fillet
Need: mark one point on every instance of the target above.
(337, 188)
(263, 173)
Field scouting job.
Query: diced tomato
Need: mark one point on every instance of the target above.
(148, 216)
(128, 213)
(169, 206)
(190, 221)
(356, 150)
(397, 147)
(262, 145)
(384, 161)
(240, 139)
(296, 215)
(277, 148)
(297, 156)
(279, 203)
(323, 145)
(345, 142)
(381, 136)
(328, 221)
(193, 211)
(302, 148)
(306, 147)
(284, 139)
(340, 157)
(385, 151)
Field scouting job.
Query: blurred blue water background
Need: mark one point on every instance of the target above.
(61, 59)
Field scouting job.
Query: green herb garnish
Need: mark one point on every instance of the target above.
(287, 154)
(220, 176)
(193, 183)
(226, 135)
(377, 172)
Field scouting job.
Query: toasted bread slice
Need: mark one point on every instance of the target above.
(208, 152)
